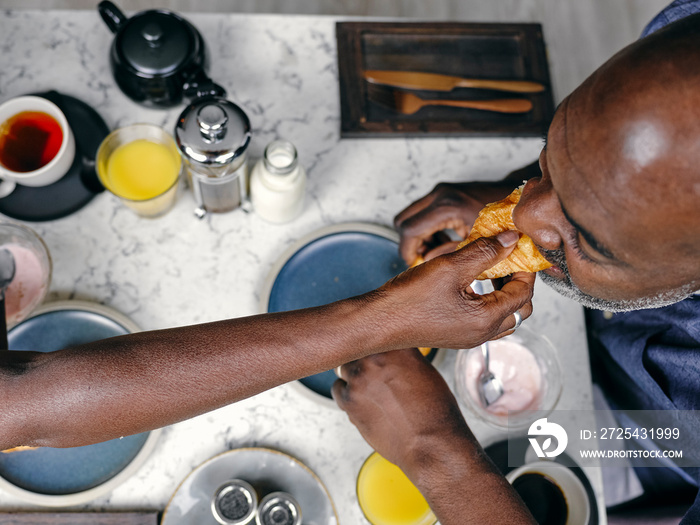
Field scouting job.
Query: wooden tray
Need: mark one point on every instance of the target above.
(494, 51)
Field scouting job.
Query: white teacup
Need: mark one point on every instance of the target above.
(61, 162)
(569, 484)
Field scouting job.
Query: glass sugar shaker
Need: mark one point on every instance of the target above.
(213, 135)
(278, 183)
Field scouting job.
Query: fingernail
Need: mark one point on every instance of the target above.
(508, 238)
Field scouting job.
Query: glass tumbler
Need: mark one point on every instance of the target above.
(141, 165)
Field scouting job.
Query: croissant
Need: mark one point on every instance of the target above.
(16, 449)
(496, 218)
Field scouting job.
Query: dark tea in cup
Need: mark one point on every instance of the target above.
(29, 140)
(543, 497)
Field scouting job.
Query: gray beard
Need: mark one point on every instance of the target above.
(567, 288)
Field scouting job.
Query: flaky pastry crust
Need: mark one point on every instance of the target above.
(16, 449)
(495, 218)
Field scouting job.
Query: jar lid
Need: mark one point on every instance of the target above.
(212, 131)
(156, 42)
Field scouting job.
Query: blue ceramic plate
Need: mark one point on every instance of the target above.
(331, 264)
(55, 477)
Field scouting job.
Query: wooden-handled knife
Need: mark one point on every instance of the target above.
(436, 82)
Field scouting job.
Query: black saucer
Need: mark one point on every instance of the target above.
(77, 187)
(498, 452)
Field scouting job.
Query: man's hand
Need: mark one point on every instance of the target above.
(433, 305)
(451, 207)
(447, 207)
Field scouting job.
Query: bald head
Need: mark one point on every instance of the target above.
(642, 110)
(617, 207)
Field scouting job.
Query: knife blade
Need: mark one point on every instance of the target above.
(438, 82)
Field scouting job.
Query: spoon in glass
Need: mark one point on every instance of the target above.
(489, 386)
(7, 273)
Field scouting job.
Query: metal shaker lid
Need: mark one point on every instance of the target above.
(234, 503)
(212, 131)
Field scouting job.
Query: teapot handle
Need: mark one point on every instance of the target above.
(200, 85)
(111, 15)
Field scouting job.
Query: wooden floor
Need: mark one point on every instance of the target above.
(580, 34)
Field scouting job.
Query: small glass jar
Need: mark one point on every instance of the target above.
(33, 268)
(278, 183)
(544, 356)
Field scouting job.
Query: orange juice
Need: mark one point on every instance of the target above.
(387, 496)
(141, 170)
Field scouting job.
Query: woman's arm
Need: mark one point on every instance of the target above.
(137, 382)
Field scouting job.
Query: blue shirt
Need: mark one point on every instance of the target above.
(675, 11)
(650, 359)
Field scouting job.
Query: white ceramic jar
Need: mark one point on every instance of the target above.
(278, 183)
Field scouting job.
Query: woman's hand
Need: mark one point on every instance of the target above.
(402, 407)
(433, 304)
(406, 412)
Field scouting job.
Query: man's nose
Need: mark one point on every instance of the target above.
(538, 213)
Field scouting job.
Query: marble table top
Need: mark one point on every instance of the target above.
(177, 270)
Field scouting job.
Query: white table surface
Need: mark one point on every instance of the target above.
(176, 270)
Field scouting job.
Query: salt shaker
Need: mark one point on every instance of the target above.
(278, 508)
(235, 503)
(278, 183)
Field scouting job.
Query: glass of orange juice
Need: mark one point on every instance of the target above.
(140, 164)
(387, 496)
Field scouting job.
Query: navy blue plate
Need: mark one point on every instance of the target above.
(57, 472)
(335, 263)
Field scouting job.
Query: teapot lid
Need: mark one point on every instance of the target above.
(156, 42)
(212, 131)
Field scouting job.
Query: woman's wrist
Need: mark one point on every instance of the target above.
(382, 320)
(365, 324)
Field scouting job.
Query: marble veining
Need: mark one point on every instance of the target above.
(178, 270)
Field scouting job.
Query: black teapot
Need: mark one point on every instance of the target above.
(157, 57)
